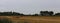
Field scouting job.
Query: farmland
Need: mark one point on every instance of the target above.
(33, 19)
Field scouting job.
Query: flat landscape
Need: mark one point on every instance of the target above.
(33, 19)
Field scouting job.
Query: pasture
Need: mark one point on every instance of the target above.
(33, 19)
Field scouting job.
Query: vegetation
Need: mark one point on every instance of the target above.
(42, 13)
(5, 21)
(9, 13)
(46, 13)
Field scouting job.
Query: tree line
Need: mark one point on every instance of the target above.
(42, 13)
(10, 13)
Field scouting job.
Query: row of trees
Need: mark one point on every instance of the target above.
(42, 13)
(10, 13)
(48, 13)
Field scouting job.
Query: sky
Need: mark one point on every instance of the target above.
(29, 6)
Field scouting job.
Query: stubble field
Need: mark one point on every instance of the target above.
(33, 19)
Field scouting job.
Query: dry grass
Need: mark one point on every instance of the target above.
(33, 19)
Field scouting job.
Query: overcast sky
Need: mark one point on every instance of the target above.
(30, 6)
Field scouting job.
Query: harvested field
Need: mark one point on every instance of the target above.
(33, 19)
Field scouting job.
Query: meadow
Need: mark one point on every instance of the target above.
(33, 19)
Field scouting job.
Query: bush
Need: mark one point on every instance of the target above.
(5, 21)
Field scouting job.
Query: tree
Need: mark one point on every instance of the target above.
(36, 14)
(10, 13)
(57, 14)
(51, 13)
(44, 13)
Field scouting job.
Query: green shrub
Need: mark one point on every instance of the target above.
(5, 21)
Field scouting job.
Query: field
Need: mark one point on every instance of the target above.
(33, 19)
